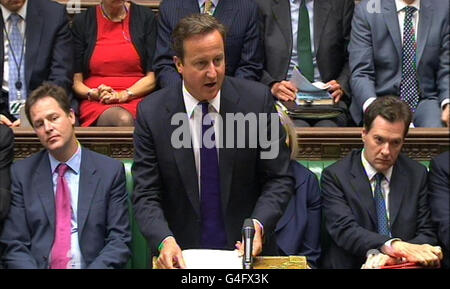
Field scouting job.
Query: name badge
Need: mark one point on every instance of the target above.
(15, 106)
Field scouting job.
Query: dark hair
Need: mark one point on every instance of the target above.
(47, 90)
(391, 108)
(196, 24)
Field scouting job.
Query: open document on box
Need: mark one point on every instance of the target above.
(310, 93)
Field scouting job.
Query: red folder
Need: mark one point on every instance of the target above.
(408, 265)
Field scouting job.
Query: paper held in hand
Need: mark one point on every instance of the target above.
(310, 93)
(212, 259)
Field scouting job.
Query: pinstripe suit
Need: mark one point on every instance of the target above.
(243, 50)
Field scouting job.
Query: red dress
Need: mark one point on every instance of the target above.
(115, 63)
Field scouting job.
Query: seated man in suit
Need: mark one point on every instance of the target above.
(403, 50)
(439, 186)
(197, 196)
(6, 158)
(67, 209)
(243, 49)
(37, 47)
(287, 26)
(376, 198)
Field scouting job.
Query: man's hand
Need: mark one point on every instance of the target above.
(425, 255)
(257, 242)
(284, 90)
(446, 115)
(335, 90)
(170, 256)
(375, 261)
(4, 120)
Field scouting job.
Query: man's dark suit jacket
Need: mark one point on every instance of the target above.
(6, 158)
(350, 215)
(376, 52)
(103, 221)
(298, 230)
(439, 185)
(243, 47)
(49, 48)
(166, 193)
(332, 25)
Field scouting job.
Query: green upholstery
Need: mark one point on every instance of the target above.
(141, 253)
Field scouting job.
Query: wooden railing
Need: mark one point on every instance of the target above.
(314, 143)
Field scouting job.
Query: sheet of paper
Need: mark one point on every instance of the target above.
(303, 84)
(212, 259)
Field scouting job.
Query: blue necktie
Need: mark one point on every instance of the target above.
(380, 205)
(213, 235)
(15, 62)
(409, 86)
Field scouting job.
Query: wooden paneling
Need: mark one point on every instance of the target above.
(314, 143)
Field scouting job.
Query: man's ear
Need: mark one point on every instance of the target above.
(72, 117)
(363, 134)
(178, 64)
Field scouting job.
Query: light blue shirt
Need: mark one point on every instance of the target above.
(295, 8)
(72, 177)
(202, 2)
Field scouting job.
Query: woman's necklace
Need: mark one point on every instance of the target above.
(121, 18)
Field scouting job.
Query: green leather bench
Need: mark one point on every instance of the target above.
(140, 258)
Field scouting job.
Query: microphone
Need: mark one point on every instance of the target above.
(248, 233)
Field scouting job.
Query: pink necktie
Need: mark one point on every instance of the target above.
(60, 256)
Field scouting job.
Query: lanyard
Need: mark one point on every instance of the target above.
(18, 83)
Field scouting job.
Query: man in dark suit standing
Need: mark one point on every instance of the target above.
(377, 198)
(286, 27)
(402, 47)
(439, 185)
(37, 47)
(6, 158)
(194, 189)
(67, 210)
(243, 49)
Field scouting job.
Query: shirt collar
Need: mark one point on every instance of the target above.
(191, 102)
(401, 5)
(73, 163)
(22, 11)
(371, 171)
(201, 2)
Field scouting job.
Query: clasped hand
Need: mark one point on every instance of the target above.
(107, 95)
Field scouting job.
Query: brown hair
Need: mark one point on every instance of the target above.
(391, 108)
(47, 90)
(196, 24)
(289, 127)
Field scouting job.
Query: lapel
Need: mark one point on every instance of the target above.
(391, 21)
(33, 32)
(2, 51)
(42, 182)
(282, 15)
(321, 11)
(228, 104)
(87, 187)
(426, 17)
(188, 7)
(361, 186)
(398, 187)
(225, 12)
(184, 157)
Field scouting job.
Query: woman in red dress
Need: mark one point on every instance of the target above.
(114, 46)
